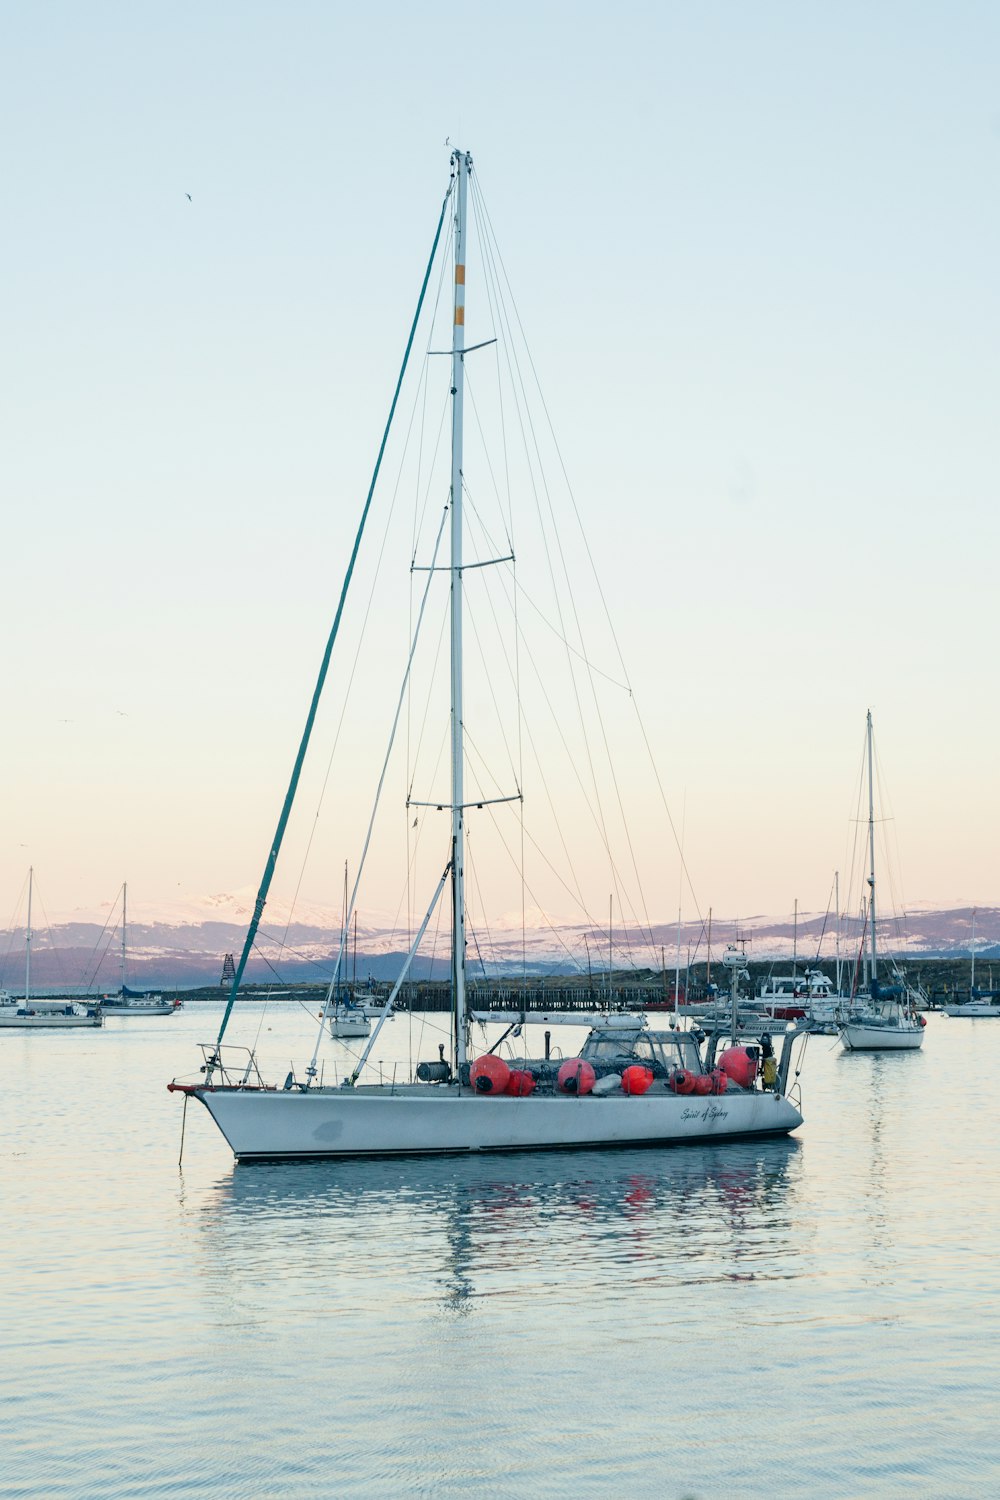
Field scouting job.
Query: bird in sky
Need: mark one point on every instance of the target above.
(188, 197)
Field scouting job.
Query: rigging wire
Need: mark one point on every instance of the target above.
(488, 283)
(481, 206)
(348, 690)
(647, 928)
(272, 858)
(90, 978)
(352, 904)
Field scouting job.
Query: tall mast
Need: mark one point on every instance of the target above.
(27, 942)
(972, 981)
(124, 912)
(611, 920)
(871, 853)
(462, 165)
(795, 939)
(836, 902)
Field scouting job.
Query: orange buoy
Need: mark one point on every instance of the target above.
(520, 1083)
(922, 1020)
(718, 1080)
(681, 1081)
(702, 1083)
(636, 1079)
(489, 1074)
(576, 1076)
(740, 1064)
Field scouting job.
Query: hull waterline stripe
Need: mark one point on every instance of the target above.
(666, 1142)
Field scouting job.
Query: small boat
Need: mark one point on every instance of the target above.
(883, 1020)
(42, 1015)
(881, 1026)
(608, 1019)
(134, 1002)
(628, 1086)
(27, 1018)
(137, 1003)
(981, 1003)
(349, 1020)
(789, 997)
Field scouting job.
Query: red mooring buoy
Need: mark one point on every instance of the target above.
(740, 1064)
(489, 1074)
(702, 1083)
(636, 1079)
(681, 1081)
(520, 1083)
(576, 1076)
(719, 1081)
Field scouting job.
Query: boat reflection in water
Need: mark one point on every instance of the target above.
(477, 1228)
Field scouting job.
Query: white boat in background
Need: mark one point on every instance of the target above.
(607, 1020)
(134, 1002)
(45, 1015)
(349, 1020)
(68, 1018)
(790, 997)
(881, 1027)
(883, 1020)
(627, 1087)
(981, 1004)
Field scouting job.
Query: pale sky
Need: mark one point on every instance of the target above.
(755, 248)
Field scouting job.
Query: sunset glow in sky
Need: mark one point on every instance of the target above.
(754, 249)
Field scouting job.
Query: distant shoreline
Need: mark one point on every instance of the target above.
(937, 975)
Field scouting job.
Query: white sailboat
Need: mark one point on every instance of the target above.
(628, 1087)
(134, 1002)
(980, 1007)
(981, 1004)
(349, 1020)
(883, 1020)
(43, 1015)
(350, 1017)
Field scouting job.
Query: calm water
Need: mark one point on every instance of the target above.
(804, 1318)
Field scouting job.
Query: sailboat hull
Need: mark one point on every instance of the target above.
(271, 1125)
(166, 1008)
(860, 1038)
(46, 1021)
(347, 1026)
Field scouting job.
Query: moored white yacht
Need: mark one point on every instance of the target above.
(627, 1087)
(349, 1020)
(132, 1003)
(883, 1020)
(789, 997)
(980, 1005)
(67, 1017)
(127, 1003)
(41, 1015)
